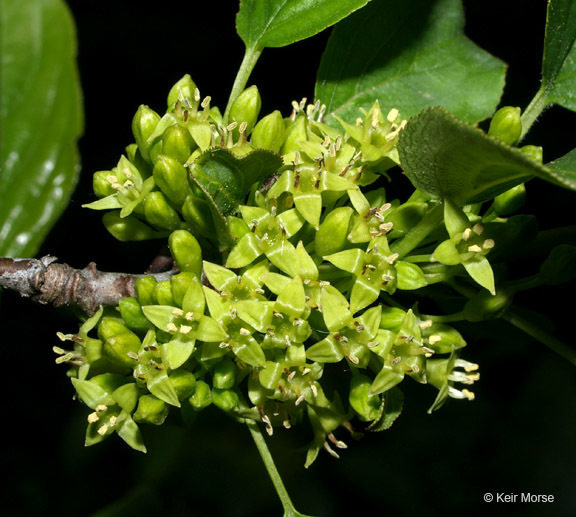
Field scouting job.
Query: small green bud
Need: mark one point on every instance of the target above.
(202, 396)
(332, 234)
(132, 314)
(224, 375)
(108, 381)
(366, 406)
(110, 327)
(159, 213)
(172, 179)
(163, 293)
(102, 185)
(226, 400)
(183, 382)
(128, 228)
(180, 284)
(145, 288)
(151, 410)
(186, 251)
(183, 89)
(197, 212)
(143, 125)
(506, 125)
(177, 143)
(126, 396)
(534, 152)
(93, 350)
(246, 108)
(510, 201)
(121, 347)
(269, 133)
(295, 131)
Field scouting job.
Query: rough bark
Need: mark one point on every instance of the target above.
(46, 281)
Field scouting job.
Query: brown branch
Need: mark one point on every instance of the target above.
(46, 281)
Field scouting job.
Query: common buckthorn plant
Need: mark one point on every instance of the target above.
(315, 260)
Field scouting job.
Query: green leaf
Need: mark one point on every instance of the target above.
(277, 23)
(560, 266)
(448, 158)
(564, 169)
(409, 56)
(559, 60)
(228, 179)
(40, 121)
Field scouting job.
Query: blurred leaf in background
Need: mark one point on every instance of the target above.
(40, 120)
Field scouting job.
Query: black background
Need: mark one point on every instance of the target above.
(517, 436)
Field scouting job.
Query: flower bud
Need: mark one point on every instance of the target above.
(172, 179)
(269, 133)
(224, 374)
(151, 410)
(183, 89)
(163, 293)
(197, 212)
(186, 251)
(332, 235)
(183, 382)
(177, 143)
(246, 108)
(202, 396)
(226, 400)
(159, 213)
(102, 185)
(144, 287)
(143, 125)
(132, 314)
(506, 125)
(128, 228)
(119, 348)
(180, 284)
(510, 201)
(110, 327)
(534, 152)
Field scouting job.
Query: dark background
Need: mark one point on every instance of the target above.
(519, 435)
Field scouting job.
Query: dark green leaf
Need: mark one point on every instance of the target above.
(40, 120)
(276, 23)
(559, 61)
(565, 169)
(228, 179)
(448, 158)
(559, 266)
(409, 56)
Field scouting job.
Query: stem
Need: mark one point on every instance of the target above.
(250, 58)
(289, 510)
(544, 337)
(413, 239)
(532, 112)
(445, 318)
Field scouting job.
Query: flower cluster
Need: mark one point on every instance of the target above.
(285, 243)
